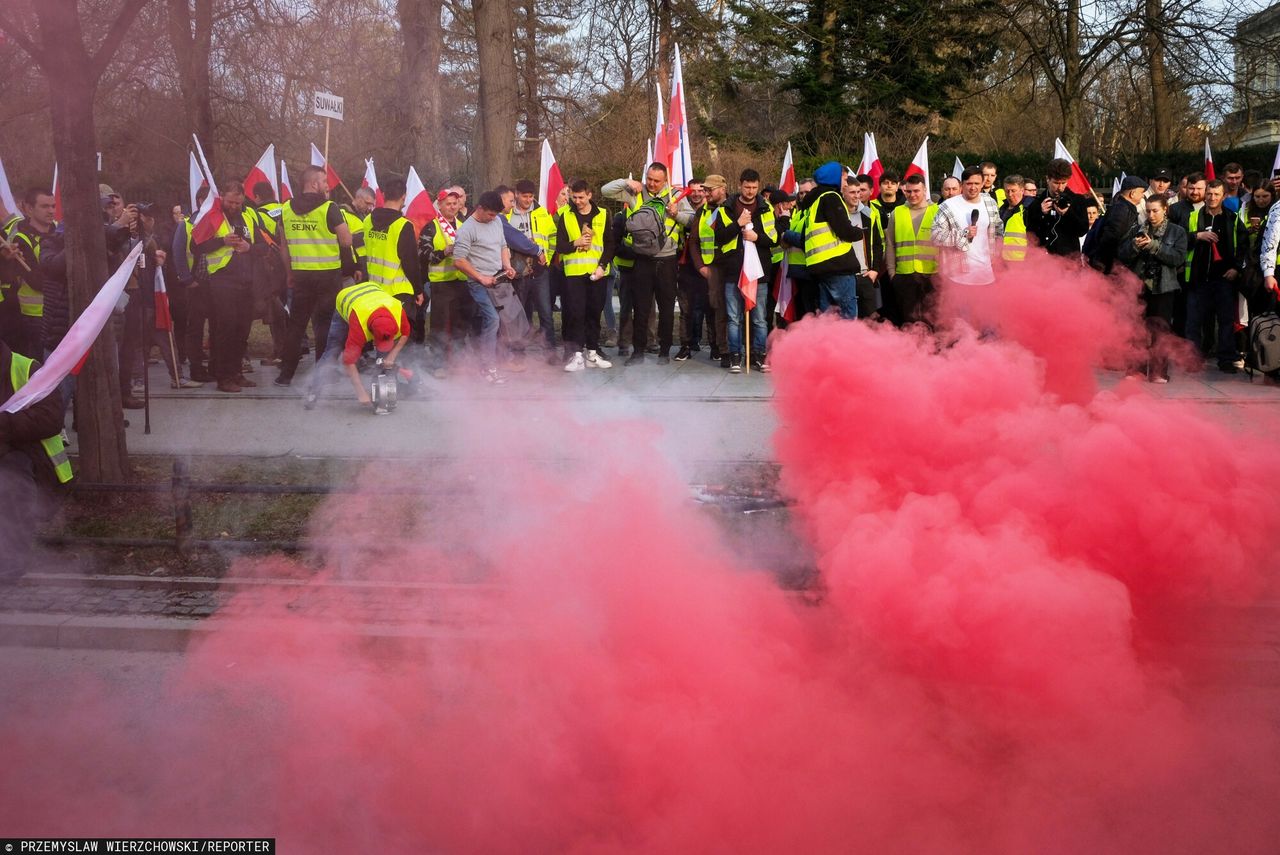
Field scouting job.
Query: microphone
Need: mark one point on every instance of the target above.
(973, 217)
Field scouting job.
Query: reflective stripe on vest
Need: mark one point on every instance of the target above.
(30, 301)
(365, 299)
(382, 256)
(19, 373)
(356, 224)
(820, 243)
(221, 256)
(795, 254)
(1014, 246)
(444, 269)
(312, 244)
(766, 222)
(913, 252)
(584, 262)
(706, 235)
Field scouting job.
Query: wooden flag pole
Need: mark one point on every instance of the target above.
(746, 325)
(326, 142)
(173, 350)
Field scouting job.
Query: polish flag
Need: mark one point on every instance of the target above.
(549, 179)
(787, 183)
(263, 170)
(783, 292)
(1115, 185)
(1208, 161)
(371, 181)
(195, 180)
(317, 159)
(207, 221)
(678, 129)
(57, 195)
(752, 271)
(1079, 183)
(70, 354)
(920, 164)
(957, 170)
(286, 192)
(648, 159)
(1275, 164)
(418, 208)
(6, 194)
(871, 164)
(661, 147)
(164, 318)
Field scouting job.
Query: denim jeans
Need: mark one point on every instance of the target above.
(487, 345)
(324, 370)
(534, 292)
(839, 290)
(733, 307)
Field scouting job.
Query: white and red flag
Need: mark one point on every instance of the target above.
(957, 170)
(263, 170)
(286, 192)
(418, 207)
(678, 129)
(370, 180)
(784, 292)
(331, 175)
(6, 194)
(164, 317)
(661, 148)
(1275, 164)
(920, 164)
(195, 180)
(871, 164)
(207, 220)
(787, 183)
(71, 352)
(1079, 183)
(57, 194)
(752, 272)
(549, 178)
(1208, 161)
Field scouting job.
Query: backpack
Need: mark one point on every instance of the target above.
(1264, 343)
(647, 228)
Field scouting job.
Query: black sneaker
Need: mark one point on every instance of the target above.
(634, 359)
(725, 361)
(284, 381)
(715, 354)
(663, 359)
(683, 353)
(757, 364)
(622, 351)
(735, 363)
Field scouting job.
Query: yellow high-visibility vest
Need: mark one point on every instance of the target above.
(312, 244)
(913, 252)
(584, 262)
(19, 374)
(364, 299)
(820, 243)
(444, 269)
(382, 256)
(221, 256)
(1014, 246)
(30, 301)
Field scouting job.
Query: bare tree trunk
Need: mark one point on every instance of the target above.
(1161, 97)
(496, 113)
(191, 35)
(423, 41)
(1072, 96)
(72, 73)
(664, 59)
(529, 73)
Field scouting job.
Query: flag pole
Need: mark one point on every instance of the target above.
(146, 391)
(326, 142)
(746, 326)
(173, 351)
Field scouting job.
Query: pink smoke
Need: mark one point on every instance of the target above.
(1010, 563)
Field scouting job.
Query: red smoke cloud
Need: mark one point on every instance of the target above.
(1008, 564)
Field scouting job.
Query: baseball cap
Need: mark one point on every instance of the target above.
(105, 190)
(713, 181)
(1132, 182)
(1162, 175)
(384, 329)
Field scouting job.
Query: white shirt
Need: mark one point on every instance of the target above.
(972, 267)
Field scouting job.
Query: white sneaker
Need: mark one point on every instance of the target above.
(595, 360)
(492, 376)
(575, 363)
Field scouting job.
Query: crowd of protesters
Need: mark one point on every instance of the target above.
(639, 270)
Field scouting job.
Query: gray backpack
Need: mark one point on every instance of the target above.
(1264, 343)
(647, 228)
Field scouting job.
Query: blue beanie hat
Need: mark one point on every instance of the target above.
(830, 173)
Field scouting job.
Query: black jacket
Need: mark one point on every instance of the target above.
(1232, 248)
(1059, 233)
(1118, 225)
(731, 262)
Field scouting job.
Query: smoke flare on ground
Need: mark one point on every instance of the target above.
(1010, 565)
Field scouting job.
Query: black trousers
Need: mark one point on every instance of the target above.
(314, 295)
(581, 303)
(193, 331)
(914, 292)
(653, 279)
(691, 293)
(230, 316)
